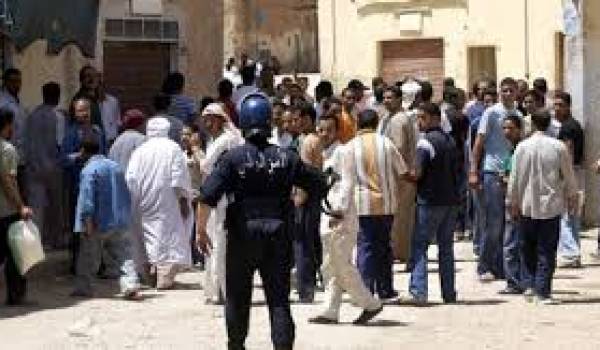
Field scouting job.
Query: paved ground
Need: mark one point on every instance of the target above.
(179, 319)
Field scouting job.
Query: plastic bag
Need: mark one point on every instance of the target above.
(25, 244)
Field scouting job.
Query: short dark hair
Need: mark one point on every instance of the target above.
(91, 145)
(323, 90)
(10, 72)
(161, 102)
(426, 91)
(430, 108)
(205, 101)
(306, 110)
(540, 84)
(450, 92)
(248, 74)
(508, 81)
(368, 119)
(173, 84)
(490, 91)
(564, 96)
(51, 93)
(449, 82)
(225, 88)
(515, 119)
(6, 117)
(541, 119)
(537, 98)
(83, 70)
(395, 90)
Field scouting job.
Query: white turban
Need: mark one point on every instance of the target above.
(158, 127)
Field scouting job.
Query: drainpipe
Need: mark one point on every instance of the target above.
(334, 39)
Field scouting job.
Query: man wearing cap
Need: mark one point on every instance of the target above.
(134, 123)
(158, 179)
(223, 137)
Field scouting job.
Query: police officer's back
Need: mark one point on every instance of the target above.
(257, 178)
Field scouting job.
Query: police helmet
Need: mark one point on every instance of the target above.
(255, 112)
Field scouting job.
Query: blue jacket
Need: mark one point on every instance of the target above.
(103, 196)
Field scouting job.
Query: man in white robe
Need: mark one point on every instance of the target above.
(339, 237)
(130, 139)
(160, 186)
(224, 136)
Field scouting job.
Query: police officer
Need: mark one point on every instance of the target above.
(257, 177)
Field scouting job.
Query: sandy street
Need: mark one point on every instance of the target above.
(179, 319)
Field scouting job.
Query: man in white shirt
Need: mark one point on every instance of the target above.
(541, 176)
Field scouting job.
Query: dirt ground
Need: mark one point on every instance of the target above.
(179, 319)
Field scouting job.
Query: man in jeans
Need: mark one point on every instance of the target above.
(541, 176)
(571, 133)
(492, 147)
(102, 218)
(12, 209)
(437, 200)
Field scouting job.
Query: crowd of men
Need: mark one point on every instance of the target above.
(500, 165)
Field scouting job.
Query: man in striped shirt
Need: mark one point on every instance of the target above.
(376, 169)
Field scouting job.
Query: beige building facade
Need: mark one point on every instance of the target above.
(464, 39)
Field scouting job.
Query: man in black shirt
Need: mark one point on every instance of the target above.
(571, 134)
(437, 198)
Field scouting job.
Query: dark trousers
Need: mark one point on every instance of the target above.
(308, 250)
(272, 258)
(539, 241)
(375, 258)
(490, 259)
(16, 285)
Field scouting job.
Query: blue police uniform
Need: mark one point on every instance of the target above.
(258, 177)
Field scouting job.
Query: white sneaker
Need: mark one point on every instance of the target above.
(546, 301)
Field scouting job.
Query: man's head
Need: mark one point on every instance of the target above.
(214, 117)
(392, 99)
(428, 116)
(368, 120)
(12, 81)
(308, 115)
(173, 84)
(303, 83)
(426, 93)
(541, 119)
(323, 90)
(134, 119)
(358, 87)
(562, 105)
(378, 85)
(349, 99)
(532, 101)
(541, 86)
(508, 91)
(82, 111)
(278, 111)
(327, 129)
(522, 88)
(225, 89)
(295, 126)
(88, 78)
(90, 146)
(451, 96)
(161, 103)
(51, 93)
(6, 123)
(512, 128)
(295, 92)
(480, 88)
(490, 97)
(248, 74)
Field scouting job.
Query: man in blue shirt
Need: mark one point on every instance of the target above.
(490, 150)
(102, 219)
(437, 203)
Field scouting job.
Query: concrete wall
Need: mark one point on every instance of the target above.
(591, 106)
(274, 25)
(350, 32)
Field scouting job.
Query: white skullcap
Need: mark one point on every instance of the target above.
(158, 127)
(214, 109)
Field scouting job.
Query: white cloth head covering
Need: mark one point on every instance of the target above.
(214, 109)
(410, 89)
(158, 127)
